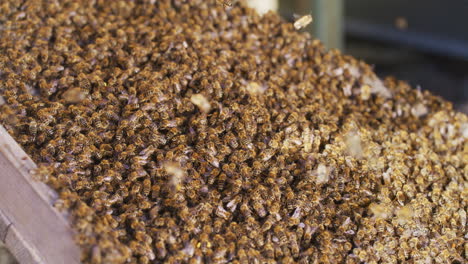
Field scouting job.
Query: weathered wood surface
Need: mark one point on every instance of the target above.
(30, 227)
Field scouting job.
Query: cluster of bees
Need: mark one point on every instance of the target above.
(187, 132)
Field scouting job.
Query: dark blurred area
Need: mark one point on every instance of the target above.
(443, 76)
(424, 42)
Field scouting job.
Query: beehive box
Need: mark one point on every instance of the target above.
(30, 227)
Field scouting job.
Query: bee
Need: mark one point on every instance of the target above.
(236, 185)
(242, 255)
(136, 188)
(213, 175)
(245, 209)
(45, 116)
(139, 161)
(197, 259)
(73, 130)
(42, 173)
(232, 204)
(294, 245)
(232, 141)
(221, 212)
(221, 181)
(295, 218)
(274, 142)
(259, 208)
(82, 121)
(266, 154)
(24, 97)
(201, 102)
(302, 22)
(191, 193)
(308, 232)
(161, 251)
(269, 222)
(212, 160)
(83, 81)
(146, 187)
(400, 197)
(218, 225)
(257, 167)
(33, 128)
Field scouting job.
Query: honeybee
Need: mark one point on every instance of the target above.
(221, 212)
(270, 220)
(232, 204)
(259, 208)
(221, 181)
(217, 225)
(295, 218)
(161, 251)
(136, 188)
(257, 167)
(33, 128)
(236, 185)
(308, 232)
(146, 187)
(42, 173)
(245, 209)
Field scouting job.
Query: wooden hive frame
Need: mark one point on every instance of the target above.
(31, 228)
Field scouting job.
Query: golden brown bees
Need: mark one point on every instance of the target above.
(179, 132)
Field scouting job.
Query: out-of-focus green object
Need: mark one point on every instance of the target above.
(328, 22)
(328, 17)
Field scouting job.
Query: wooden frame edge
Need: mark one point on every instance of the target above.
(32, 229)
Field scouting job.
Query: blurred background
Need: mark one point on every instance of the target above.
(424, 42)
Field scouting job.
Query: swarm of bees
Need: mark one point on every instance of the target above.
(180, 132)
